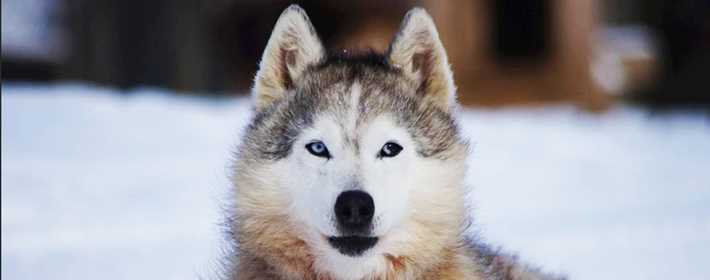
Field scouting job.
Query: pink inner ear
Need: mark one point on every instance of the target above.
(288, 59)
(421, 62)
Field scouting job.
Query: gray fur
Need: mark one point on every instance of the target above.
(324, 89)
(498, 265)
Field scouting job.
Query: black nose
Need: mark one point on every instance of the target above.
(354, 211)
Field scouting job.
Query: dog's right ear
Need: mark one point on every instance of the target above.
(419, 53)
(292, 47)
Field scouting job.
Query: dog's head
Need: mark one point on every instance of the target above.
(353, 163)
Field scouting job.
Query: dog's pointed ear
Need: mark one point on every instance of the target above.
(292, 47)
(419, 53)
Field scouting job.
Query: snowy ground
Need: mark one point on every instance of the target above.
(97, 185)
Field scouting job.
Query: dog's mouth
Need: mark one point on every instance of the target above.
(352, 245)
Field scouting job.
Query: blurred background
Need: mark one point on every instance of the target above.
(504, 52)
(589, 121)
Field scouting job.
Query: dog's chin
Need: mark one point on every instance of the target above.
(352, 246)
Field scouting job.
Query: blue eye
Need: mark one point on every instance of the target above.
(390, 149)
(318, 149)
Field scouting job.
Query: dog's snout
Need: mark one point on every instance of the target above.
(354, 211)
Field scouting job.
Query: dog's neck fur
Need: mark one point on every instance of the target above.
(288, 257)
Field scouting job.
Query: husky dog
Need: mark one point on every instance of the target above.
(353, 165)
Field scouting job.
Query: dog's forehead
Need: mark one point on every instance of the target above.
(379, 87)
(353, 93)
(353, 98)
(335, 79)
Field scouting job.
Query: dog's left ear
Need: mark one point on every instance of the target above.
(419, 53)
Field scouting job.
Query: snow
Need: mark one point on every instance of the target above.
(102, 184)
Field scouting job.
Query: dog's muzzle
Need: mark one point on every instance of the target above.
(354, 211)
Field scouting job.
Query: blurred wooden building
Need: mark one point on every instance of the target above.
(520, 52)
(506, 52)
(503, 52)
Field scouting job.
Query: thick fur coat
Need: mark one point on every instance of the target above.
(355, 108)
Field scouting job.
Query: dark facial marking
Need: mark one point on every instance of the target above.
(326, 88)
